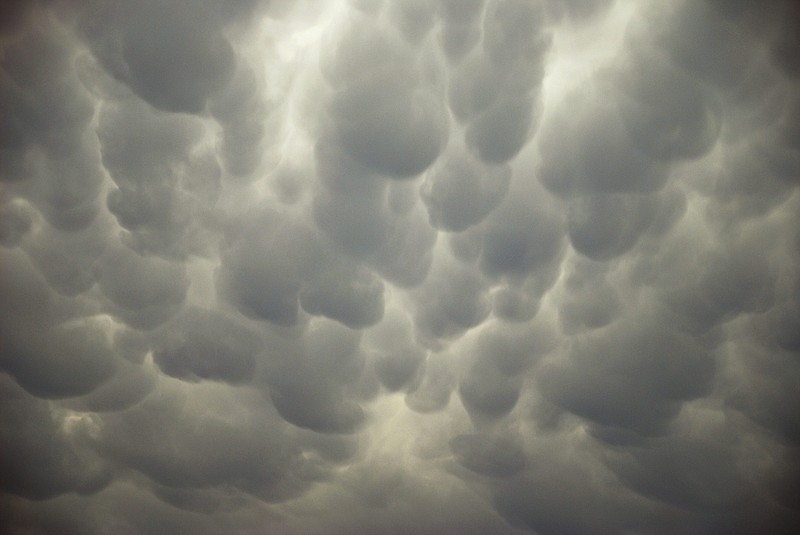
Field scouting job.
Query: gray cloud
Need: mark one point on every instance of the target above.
(586, 149)
(396, 356)
(490, 456)
(637, 359)
(461, 192)
(129, 384)
(263, 270)
(460, 27)
(409, 266)
(47, 108)
(313, 383)
(207, 345)
(240, 110)
(381, 110)
(174, 57)
(452, 300)
(494, 91)
(40, 459)
(141, 291)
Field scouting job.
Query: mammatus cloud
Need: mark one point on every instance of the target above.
(402, 266)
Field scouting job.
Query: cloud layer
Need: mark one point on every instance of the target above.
(410, 266)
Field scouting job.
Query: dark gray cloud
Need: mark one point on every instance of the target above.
(141, 291)
(254, 456)
(48, 149)
(40, 458)
(202, 344)
(67, 258)
(129, 384)
(404, 266)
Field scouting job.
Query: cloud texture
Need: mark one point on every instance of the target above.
(402, 266)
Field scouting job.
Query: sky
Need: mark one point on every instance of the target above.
(402, 266)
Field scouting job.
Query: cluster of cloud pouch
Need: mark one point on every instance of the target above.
(408, 266)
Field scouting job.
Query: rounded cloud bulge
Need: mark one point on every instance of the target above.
(399, 266)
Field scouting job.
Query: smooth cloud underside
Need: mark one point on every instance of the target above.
(403, 266)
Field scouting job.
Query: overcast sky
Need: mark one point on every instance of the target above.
(403, 266)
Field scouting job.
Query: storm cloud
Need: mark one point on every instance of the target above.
(400, 266)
